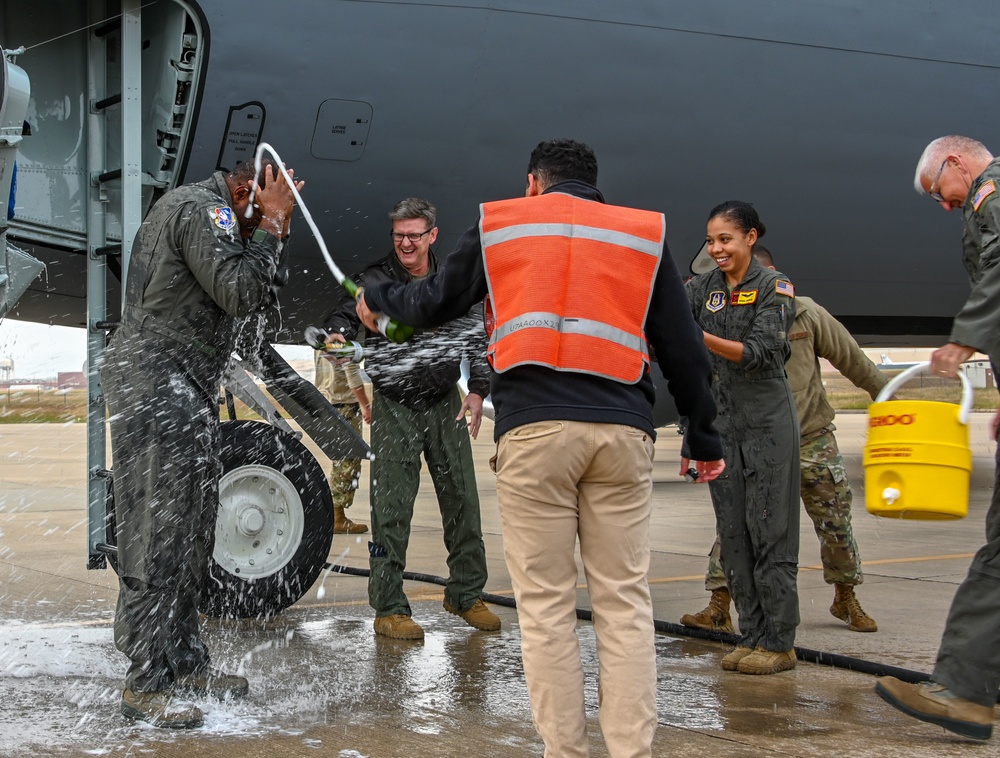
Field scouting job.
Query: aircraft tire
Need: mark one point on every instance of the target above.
(274, 526)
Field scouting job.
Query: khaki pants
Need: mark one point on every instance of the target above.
(557, 481)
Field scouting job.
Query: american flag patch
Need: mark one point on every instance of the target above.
(982, 193)
(784, 288)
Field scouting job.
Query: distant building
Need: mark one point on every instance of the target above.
(980, 374)
(71, 380)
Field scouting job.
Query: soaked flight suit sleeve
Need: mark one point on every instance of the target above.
(766, 335)
(978, 323)
(238, 277)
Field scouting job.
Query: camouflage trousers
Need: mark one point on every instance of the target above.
(345, 474)
(827, 497)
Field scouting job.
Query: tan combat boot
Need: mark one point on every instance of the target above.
(478, 616)
(731, 660)
(343, 525)
(847, 608)
(763, 661)
(159, 709)
(935, 704)
(398, 626)
(715, 616)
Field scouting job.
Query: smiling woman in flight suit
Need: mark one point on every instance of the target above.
(744, 310)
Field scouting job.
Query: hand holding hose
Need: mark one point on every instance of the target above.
(377, 322)
(365, 314)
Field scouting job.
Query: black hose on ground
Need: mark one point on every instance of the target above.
(820, 657)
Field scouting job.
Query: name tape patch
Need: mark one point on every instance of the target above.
(743, 297)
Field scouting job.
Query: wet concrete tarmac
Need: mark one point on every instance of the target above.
(323, 684)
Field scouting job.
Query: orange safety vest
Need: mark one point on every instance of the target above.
(570, 282)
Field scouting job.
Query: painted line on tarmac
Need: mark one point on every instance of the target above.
(888, 561)
(883, 562)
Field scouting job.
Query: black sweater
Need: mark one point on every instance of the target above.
(526, 394)
(422, 371)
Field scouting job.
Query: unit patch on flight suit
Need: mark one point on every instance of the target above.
(223, 217)
(984, 191)
(783, 287)
(743, 297)
(716, 301)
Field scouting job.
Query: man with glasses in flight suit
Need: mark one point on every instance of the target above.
(417, 408)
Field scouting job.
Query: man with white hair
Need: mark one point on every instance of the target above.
(959, 172)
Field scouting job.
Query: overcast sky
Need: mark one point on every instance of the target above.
(40, 351)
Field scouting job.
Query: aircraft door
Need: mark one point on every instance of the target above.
(17, 268)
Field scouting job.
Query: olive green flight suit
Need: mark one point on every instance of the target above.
(194, 286)
(756, 500)
(968, 661)
(826, 492)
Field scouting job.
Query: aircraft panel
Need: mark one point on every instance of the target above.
(814, 111)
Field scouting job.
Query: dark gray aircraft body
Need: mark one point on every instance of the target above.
(816, 111)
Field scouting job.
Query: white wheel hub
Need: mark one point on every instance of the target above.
(260, 522)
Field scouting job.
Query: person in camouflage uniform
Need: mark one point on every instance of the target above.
(745, 310)
(959, 172)
(825, 490)
(343, 387)
(201, 277)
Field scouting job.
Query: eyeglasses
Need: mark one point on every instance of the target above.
(935, 195)
(396, 236)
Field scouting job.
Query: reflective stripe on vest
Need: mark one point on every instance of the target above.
(556, 300)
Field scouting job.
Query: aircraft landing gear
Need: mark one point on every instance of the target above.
(275, 523)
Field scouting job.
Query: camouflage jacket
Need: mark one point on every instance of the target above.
(978, 323)
(816, 334)
(192, 279)
(336, 382)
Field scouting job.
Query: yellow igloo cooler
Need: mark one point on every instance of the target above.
(917, 459)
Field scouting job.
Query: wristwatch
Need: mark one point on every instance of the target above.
(259, 235)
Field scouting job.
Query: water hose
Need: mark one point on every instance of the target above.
(809, 655)
(390, 328)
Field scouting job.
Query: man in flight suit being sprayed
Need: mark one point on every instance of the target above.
(205, 265)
